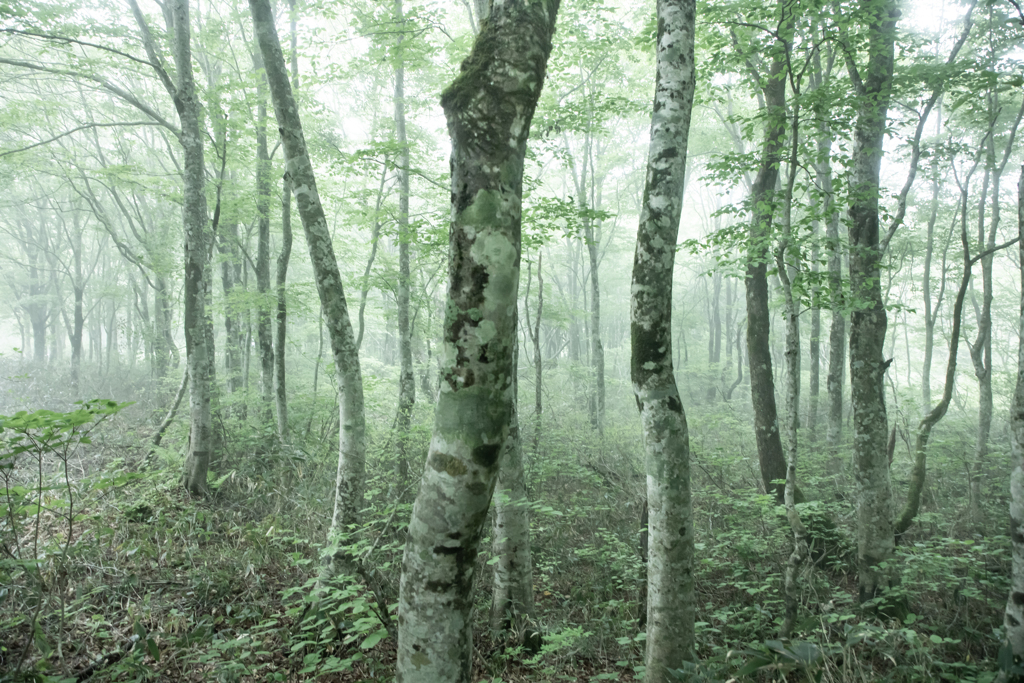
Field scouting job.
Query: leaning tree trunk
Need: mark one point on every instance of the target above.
(489, 107)
(670, 587)
(868, 319)
(928, 422)
(762, 382)
(348, 499)
(1013, 616)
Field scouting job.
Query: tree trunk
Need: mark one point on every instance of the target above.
(868, 320)
(762, 381)
(1013, 616)
(512, 596)
(489, 107)
(924, 429)
(281, 320)
(406, 379)
(670, 587)
(349, 484)
(264, 331)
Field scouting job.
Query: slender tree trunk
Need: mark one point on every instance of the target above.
(538, 398)
(264, 328)
(670, 587)
(924, 429)
(596, 347)
(868, 319)
(1013, 616)
(406, 378)
(787, 264)
(762, 381)
(348, 500)
(281, 320)
(489, 107)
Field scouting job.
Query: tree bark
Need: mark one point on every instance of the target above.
(868, 319)
(670, 587)
(349, 486)
(198, 327)
(1013, 616)
(406, 379)
(264, 327)
(512, 595)
(762, 383)
(281, 319)
(489, 107)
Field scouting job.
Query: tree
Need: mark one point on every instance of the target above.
(1013, 616)
(868, 319)
(489, 107)
(670, 596)
(199, 352)
(348, 499)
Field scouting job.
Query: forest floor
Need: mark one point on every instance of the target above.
(118, 575)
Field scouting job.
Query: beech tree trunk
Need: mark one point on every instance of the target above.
(406, 378)
(1013, 616)
(489, 108)
(512, 595)
(264, 328)
(349, 486)
(762, 382)
(281, 319)
(670, 587)
(868, 319)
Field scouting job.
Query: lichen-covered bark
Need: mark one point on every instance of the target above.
(512, 595)
(868, 319)
(406, 379)
(670, 596)
(759, 355)
(489, 108)
(348, 500)
(1013, 615)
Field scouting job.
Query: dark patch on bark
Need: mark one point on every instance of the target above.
(487, 454)
(675, 405)
(1018, 598)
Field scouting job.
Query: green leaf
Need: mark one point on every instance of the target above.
(154, 651)
(373, 639)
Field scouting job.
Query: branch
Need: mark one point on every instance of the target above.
(103, 83)
(154, 57)
(75, 130)
(75, 41)
(915, 157)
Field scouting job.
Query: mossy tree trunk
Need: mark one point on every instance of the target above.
(489, 108)
(670, 587)
(868, 319)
